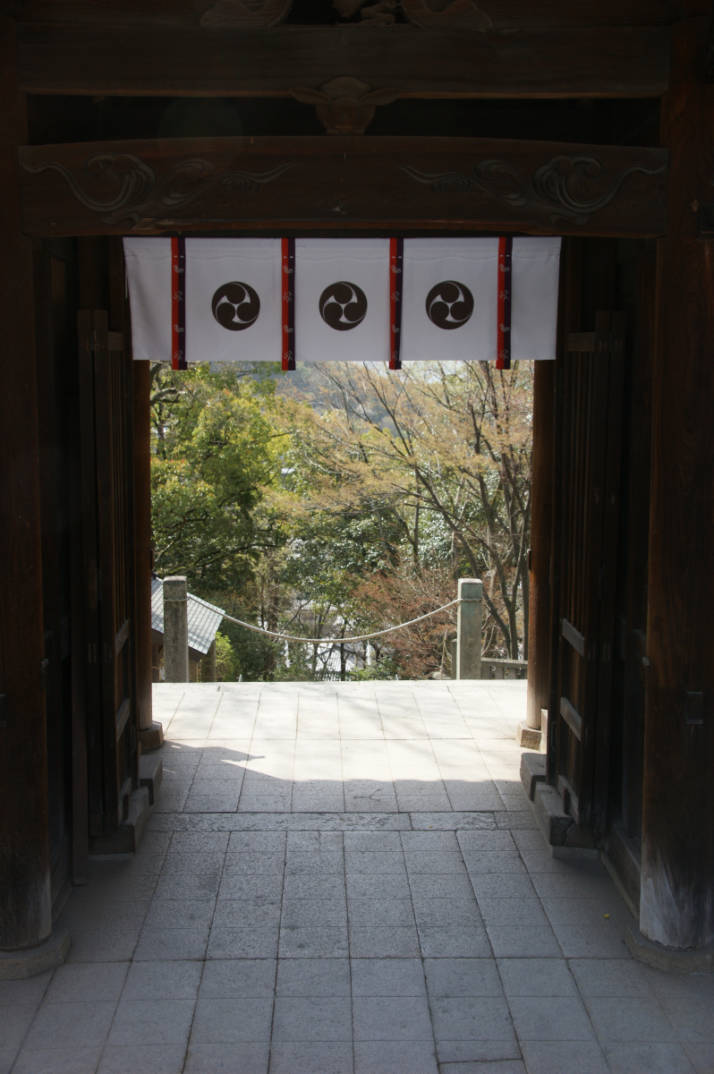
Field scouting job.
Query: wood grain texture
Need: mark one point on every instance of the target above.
(677, 908)
(405, 60)
(280, 184)
(25, 907)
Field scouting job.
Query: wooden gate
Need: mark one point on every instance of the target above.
(588, 464)
(106, 430)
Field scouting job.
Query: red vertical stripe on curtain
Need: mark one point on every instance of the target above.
(505, 251)
(288, 303)
(396, 262)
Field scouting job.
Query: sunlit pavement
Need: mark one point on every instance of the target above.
(347, 879)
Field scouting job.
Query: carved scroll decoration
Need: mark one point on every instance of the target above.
(345, 105)
(244, 14)
(126, 191)
(428, 14)
(566, 187)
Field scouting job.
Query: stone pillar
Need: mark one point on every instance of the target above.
(468, 629)
(676, 903)
(27, 944)
(175, 629)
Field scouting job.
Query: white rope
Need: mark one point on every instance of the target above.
(339, 641)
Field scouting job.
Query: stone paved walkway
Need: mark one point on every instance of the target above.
(346, 879)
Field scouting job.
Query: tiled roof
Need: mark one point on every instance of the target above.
(204, 619)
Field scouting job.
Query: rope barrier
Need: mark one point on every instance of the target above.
(339, 641)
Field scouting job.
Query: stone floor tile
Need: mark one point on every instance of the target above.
(312, 1018)
(256, 843)
(162, 980)
(316, 888)
(503, 862)
(564, 1057)
(254, 942)
(462, 977)
(372, 841)
(550, 1018)
(446, 911)
(228, 1057)
(611, 977)
(453, 820)
(161, 945)
(438, 886)
(469, 1018)
(391, 1018)
(313, 977)
(387, 977)
(623, 1018)
(374, 862)
(381, 912)
(26, 992)
(152, 1021)
(193, 886)
(472, 842)
(313, 941)
(87, 982)
(250, 886)
(521, 941)
(76, 1059)
(395, 1057)
(307, 1057)
(498, 1066)
(228, 1020)
(179, 913)
(477, 1051)
(244, 913)
(453, 941)
(62, 1025)
(436, 861)
(245, 862)
(605, 940)
(238, 977)
(701, 1055)
(645, 1057)
(525, 911)
(301, 912)
(502, 885)
(692, 1015)
(144, 1058)
(388, 941)
(536, 977)
(377, 885)
(16, 1018)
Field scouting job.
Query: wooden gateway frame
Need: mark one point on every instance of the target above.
(192, 116)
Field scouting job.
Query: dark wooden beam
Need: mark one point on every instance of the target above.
(320, 183)
(164, 61)
(499, 14)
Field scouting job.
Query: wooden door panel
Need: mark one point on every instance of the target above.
(589, 387)
(108, 539)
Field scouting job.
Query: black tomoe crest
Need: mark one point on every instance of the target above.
(343, 305)
(449, 304)
(236, 306)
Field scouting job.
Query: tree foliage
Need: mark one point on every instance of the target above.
(346, 507)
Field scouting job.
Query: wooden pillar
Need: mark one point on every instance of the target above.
(539, 647)
(677, 899)
(25, 896)
(150, 733)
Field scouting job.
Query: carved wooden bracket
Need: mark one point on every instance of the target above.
(244, 14)
(453, 15)
(429, 14)
(345, 105)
